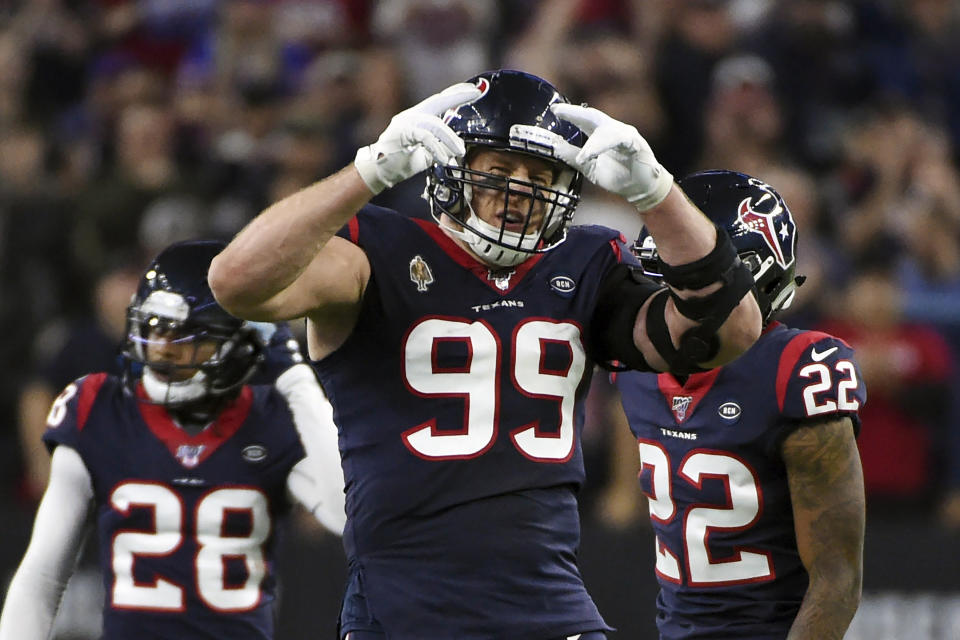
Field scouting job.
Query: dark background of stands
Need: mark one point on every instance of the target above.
(128, 124)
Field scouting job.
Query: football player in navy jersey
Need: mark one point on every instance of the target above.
(185, 469)
(457, 353)
(751, 469)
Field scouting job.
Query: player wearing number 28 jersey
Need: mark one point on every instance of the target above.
(751, 469)
(186, 470)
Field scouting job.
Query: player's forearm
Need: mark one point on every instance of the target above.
(738, 332)
(683, 234)
(832, 551)
(30, 606)
(276, 247)
(58, 534)
(828, 606)
(826, 488)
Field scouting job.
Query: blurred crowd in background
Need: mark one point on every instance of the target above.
(128, 124)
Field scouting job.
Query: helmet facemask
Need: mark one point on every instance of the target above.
(542, 212)
(222, 358)
(512, 115)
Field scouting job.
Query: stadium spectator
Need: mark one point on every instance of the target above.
(908, 367)
(65, 351)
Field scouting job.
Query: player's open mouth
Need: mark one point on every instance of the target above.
(169, 373)
(514, 221)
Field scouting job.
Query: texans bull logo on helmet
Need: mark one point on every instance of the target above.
(764, 215)
(759, 224)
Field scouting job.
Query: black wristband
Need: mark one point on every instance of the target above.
(713, 267)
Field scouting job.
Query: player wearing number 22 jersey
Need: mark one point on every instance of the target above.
(187, 471)
(751, 470)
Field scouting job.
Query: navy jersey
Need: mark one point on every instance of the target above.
(459, 399)
(187, 525)
(726, 551)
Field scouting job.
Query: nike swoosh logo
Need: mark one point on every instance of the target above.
(817, 356)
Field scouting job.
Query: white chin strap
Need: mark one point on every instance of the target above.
(489, 251)
(785, 298)
(185, 391)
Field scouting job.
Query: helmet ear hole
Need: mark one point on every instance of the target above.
(445, 191)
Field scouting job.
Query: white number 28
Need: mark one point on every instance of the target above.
(213, 547)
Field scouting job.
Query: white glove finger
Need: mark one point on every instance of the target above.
(606, 141)
(425, 138)
(444, 135)
(615, 152)
(567, 153)
(422, 159)
(587, 119)
(453, 96)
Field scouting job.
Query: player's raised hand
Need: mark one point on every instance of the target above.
(414, 140)
(280, 350)
(615, 157)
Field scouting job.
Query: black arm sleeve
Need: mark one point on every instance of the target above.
(622, 293)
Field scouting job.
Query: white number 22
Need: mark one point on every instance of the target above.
(846, 386)
(743, 510)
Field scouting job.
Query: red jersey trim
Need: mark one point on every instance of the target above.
(173, 437)
(697, 386)
(466, 260)
(789, 358)
(617, 251)
(89, 388)
(353, 229)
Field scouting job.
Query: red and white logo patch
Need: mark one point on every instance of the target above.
(765, 223)
(679, 405)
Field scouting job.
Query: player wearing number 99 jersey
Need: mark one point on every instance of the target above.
(186, 470)
(751, 469)
(457, 353)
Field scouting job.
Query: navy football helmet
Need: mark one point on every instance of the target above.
(173, 301)
(512, 114)
(759, 224)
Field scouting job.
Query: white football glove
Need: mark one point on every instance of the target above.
(615, 157)
(414, 140)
